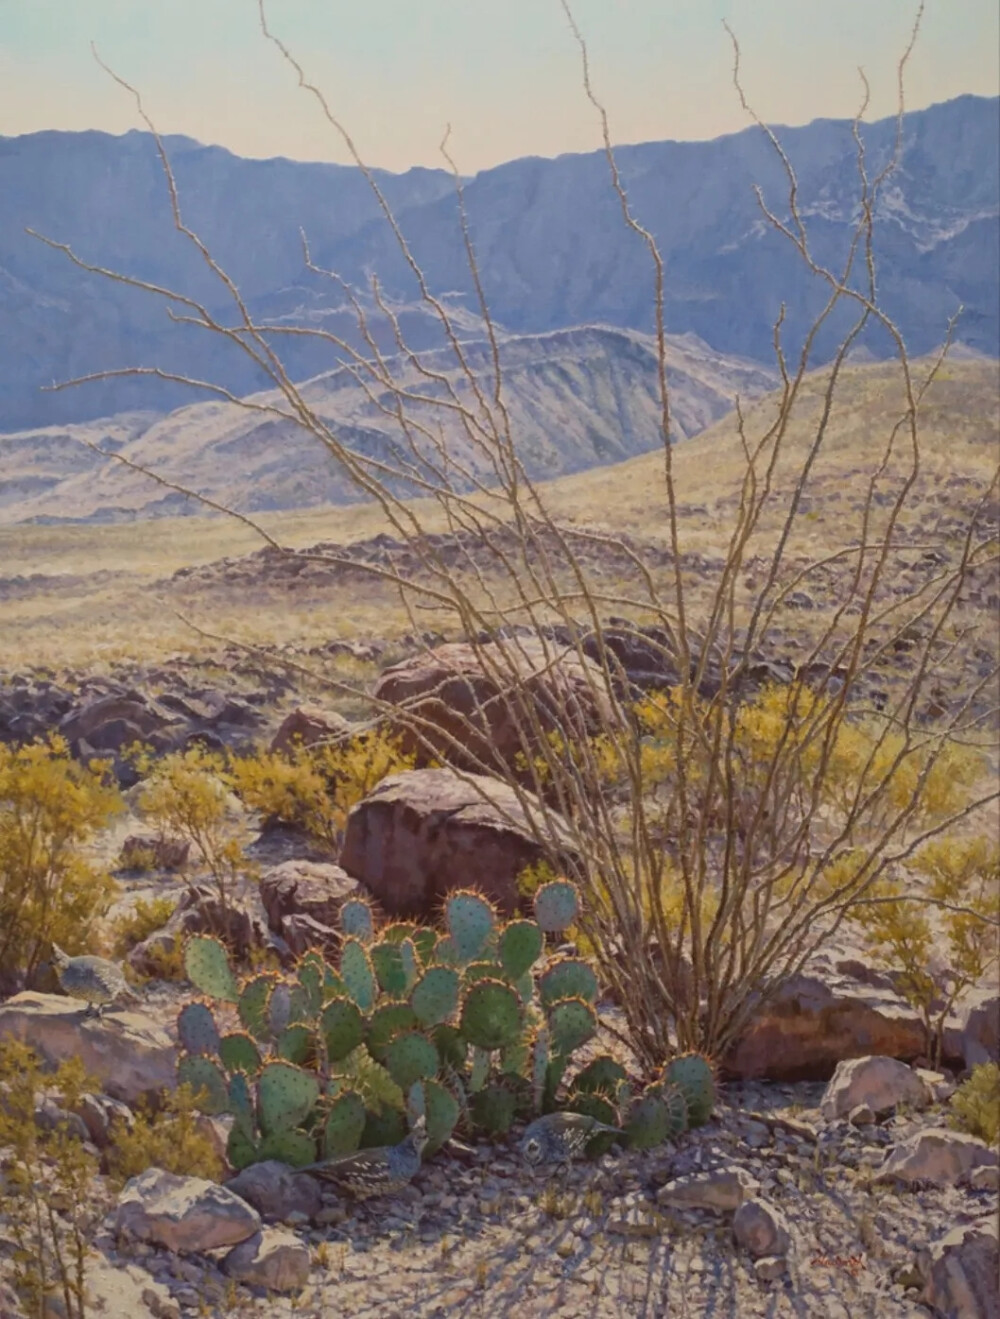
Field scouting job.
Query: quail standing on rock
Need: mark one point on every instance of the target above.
(95, 980)
(383, 1170)
(560, 1137)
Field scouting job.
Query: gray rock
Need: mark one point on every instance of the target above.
(275, 1192)
(761, 1229)
(937, 1156)
(985, 1178)
(271, 1258)
(960, 1272)
(185, 1214)
(770, 1267)
(879, 1083)
(723, 1190)
(862, 1116)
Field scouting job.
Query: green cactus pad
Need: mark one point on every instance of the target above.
(425, 940)
(494, 1109)
(572, 1022)
(357, 921)
(678, 1113)
(241, 1105)
(196, 1029)
(239, 1053)
(279, 1008)
(241, 1150)
(286, 1096)
(412, 966)
(345, 1125)
(480, 1070)
(253, 1002)
(330, 983)
(357, 974)
(295, 1148)
(520, 947)
(297, 1044)
(387, 962)
(206, 965)
(471, 920)
(695, 1076)
(440, 1109)
(411, 1057)
(435, 996)
(342, 1028)
(567, 978)
(397, 932)
(595, 1106)
(446, 952)
(310, 978)
(388, 1021)
(601, 1076)
(385, 1128)
(491, 1015)
(205, 1078)
(557, 906)
(452, 1046)
(479, 971)
(516, 1058)
(540, 1059)
(648, 1123)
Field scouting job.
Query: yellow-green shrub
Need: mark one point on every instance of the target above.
(314, 787)
(47, 1205)
(49, 807)
(975, 1105)
(172, 1138)
(142, 919)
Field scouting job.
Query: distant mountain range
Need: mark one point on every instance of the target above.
(552, 247)
(576, 399)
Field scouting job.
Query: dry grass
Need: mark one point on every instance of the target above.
(103, 594)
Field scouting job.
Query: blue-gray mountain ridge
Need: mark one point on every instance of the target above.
(551, 244)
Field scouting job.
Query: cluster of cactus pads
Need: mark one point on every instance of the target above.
(469, 1027)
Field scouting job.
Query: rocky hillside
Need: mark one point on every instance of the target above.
(552, 247)
(576, 398)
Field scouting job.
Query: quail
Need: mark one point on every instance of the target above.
(383, 1170)
(93, 979)
(560, 1137)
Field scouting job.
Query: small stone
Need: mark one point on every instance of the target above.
(723, 1189)
(275, 1192)
(861, 1116)
(770, 1267)
(761, 1229)
(985, 1178)
(272, 1258)
(565, 1247)
(634, 1216)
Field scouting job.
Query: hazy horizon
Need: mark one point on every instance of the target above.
(506, 79)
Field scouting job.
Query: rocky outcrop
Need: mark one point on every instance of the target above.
(312, 889)
(128, 1053)
(960, 1272)
(306, 725)
(425, 832)
(937, 1156)
(478, 704)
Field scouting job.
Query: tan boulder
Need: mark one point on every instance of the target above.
(307, 725)
(425, 832)
(478, 700)
(185, 1214)
(937, 1156)
(876, 1083)
(273, 1258)
(128, 1053)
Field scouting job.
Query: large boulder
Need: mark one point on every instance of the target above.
(960, 1272)
(477, 701)
(185, 1214)
(307, 725)
(879, 1083)
(128, 1053)
(272, 1258)
(820, 1017)
(425, 832)
(305, 888)
(937, 1156)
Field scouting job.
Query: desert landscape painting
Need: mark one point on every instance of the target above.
(499, 637)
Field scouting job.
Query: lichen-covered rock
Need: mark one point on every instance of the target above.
(271, 1258)
(425, 832)
(184, 1214)
(961, 1270)
(127, 1052)
(878, 1083)
(937, 1156)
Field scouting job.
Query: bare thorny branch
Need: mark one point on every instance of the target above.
(708, 886)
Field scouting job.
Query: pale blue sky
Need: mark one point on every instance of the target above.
(505, 73)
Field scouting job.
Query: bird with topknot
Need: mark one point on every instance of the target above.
(94, 980)
(558, 1138)
(383, 1170)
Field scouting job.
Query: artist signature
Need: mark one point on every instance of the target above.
(853, 1264)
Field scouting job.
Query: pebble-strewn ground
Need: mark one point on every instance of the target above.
(476, 1235)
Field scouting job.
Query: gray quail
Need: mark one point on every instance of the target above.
(383, 1170)
(559, 1137)
(93, 979)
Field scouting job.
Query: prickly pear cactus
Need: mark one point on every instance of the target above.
(694, 1075)
(196, 1029)
(557, 906)
(206, 964)
(471, 921)
(491, 1014)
